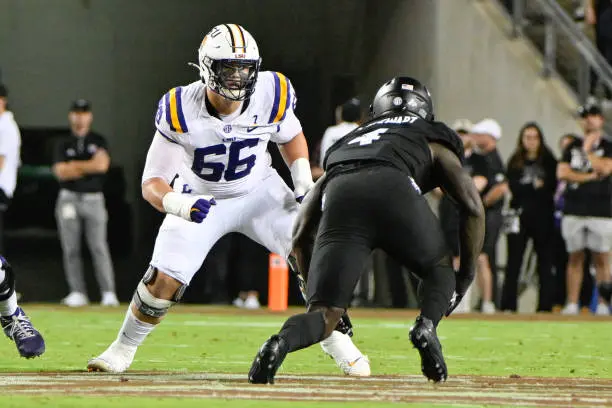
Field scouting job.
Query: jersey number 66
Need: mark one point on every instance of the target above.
(215, 171)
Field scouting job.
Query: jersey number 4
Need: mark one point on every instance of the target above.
(215, 171)
(368, 138)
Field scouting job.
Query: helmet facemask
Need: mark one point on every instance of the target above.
(233, 79)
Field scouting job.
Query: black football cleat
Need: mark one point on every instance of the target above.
(424, 338)
(267, 361)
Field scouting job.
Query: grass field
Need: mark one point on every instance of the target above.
(205, 352)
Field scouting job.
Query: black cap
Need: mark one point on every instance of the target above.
(3, 91)
(80, 105)
(351, 110)
(589, 109)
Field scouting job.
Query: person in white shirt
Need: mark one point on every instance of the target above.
(350, 114)
(10, 145)
(14, 322)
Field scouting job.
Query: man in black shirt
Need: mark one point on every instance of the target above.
(486, 133)
(80, 165)
(371, 197)
(586, 166)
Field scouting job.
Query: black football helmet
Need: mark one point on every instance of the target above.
(403, 94)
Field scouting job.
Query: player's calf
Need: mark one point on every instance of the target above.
(148, 307)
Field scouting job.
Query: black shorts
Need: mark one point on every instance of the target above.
(375, 207)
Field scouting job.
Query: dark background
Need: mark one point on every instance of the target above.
(123, 56)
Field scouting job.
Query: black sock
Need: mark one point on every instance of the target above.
(303, 330)
(437, 289)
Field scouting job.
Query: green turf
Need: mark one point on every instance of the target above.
(198, 342)
(131, 402)
(201, 342)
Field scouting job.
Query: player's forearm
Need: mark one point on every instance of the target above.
(471, 239)
(154, 190)
(305, 226)
(295, 154)
(294, 149)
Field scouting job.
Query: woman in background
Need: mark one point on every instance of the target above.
(532, 179)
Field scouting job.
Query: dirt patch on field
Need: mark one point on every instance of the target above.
(554, 392)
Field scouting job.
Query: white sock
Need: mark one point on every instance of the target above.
(340, 346)
(134, 331)
(2, 275)
(8, 307)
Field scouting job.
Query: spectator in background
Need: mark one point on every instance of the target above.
(243, 252)
(10, 145)
(586, 166)
(560, 251)
(485, 134)
(447, 210)
(350, 115)
(599, 14)
(80, 165)
(532, 179)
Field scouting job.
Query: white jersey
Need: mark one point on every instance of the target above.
(332, 135)
(228, 158)
(10, 146)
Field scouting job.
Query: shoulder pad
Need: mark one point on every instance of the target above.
(280, 94)
(171, 111)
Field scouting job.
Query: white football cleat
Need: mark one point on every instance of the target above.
(116, 359)
(109, 299)
(75, 299)
(347, 356)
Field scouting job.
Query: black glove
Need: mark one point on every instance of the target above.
(462, 284)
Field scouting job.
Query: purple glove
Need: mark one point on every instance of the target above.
(199, 209)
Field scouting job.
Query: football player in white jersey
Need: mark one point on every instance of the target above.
(209, 170)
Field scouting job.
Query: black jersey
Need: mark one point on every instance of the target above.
(401, 140)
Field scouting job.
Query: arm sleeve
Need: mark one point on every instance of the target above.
(480, 167)
(283, 110)
(162, 157)
(101, 142)
(566, 156)
(58, 152)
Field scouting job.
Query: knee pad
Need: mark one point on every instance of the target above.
(149, 305)
(7, 286)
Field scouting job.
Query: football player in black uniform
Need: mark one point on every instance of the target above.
(371, 197)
